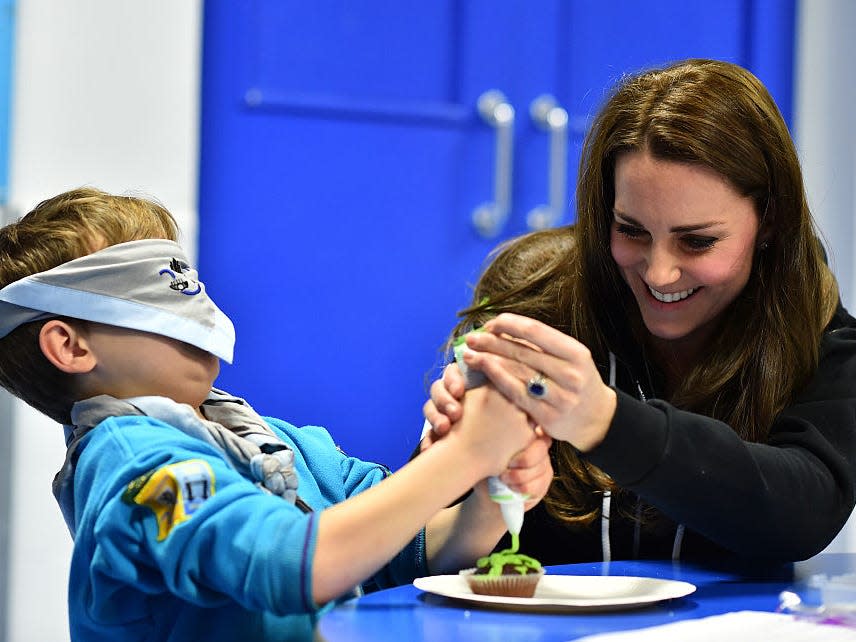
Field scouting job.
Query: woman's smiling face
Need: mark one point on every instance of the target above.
(684, 241)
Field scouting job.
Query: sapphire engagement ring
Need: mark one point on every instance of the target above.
(537, 386)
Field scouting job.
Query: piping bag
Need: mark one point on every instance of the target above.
(510, 503)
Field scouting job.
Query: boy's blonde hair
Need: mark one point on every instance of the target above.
(66, 227)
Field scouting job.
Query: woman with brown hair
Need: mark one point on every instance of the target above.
(702, 394)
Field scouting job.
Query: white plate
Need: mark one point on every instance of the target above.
(566, 592)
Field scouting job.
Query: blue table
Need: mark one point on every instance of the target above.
(406, 613)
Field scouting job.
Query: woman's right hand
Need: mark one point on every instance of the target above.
(444, 407)
(575, 405)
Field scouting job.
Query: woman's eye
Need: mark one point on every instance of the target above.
(700, 242)
(630, 231)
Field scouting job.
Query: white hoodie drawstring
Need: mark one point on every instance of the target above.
(604, 526)
(679, 540)
(607, 500)
(607, 495)
(637, 528)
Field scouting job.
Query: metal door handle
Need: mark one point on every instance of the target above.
(552, 118)
(489, 218)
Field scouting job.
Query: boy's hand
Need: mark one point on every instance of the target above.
(492, 429)
(530, 471)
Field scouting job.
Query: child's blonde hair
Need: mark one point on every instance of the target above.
(60, 229)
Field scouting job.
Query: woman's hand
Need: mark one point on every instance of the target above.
(577, 406)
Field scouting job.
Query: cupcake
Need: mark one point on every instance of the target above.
(506, 573)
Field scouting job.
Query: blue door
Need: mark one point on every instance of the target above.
(360, 159)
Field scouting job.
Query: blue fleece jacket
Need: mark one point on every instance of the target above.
(172, 543)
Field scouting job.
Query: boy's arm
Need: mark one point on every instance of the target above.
(358, 536)
(457, 536)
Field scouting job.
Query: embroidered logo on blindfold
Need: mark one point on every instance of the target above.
(180, 281)
(174, 492)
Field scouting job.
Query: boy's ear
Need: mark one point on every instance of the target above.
(66, 347)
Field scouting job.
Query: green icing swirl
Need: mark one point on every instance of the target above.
(497, 561)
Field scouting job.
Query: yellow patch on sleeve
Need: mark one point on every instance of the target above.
(173, 492)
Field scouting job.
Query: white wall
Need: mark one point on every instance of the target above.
(105, 94)
(825, 132)
(825, 127)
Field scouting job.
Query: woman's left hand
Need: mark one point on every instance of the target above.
(444, 406)
(577, 406)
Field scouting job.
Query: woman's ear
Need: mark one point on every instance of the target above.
(66, 347)
(765, 233)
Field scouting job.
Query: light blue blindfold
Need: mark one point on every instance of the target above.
(141, 285)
